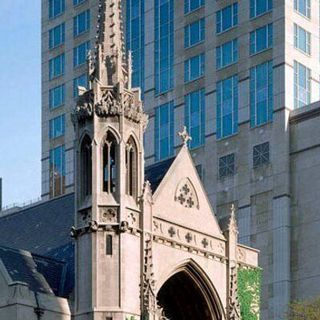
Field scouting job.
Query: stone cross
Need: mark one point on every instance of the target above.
(205, 242)
(172, 232)
(184, 136)
(189, 237)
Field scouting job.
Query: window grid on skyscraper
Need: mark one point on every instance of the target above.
(81, 23)
(261, 94)
(57, 171)
(261, 39)
(194, 68)
(56, 7)
(259, 7)
(56, 36)
(81, 81)
(192, 5)
(135, 40)
(227, 54)
(302, 85)
(302, 39)
(80, 53)
(164, 130)
(164, 45)
(56, 66)
(227, 18)
(303, 7)
(194, 33)
(227, 107)
(77, 2)
(195, 115)
(56, 96)
(57, 127)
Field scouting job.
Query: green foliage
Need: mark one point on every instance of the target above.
(249, 287)
(128, 317)
(306, 310)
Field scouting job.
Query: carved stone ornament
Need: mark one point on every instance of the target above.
(186, 195)
(234, 305)
(108, 215)
(148, 287)
(108, 105)
(84, 107)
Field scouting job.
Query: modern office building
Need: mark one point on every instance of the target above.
(242, 76)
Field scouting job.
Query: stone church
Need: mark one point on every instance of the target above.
(145, 242)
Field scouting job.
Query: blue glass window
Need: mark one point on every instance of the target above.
(302, 39)
(56, 7)
(194, 33)
(194, 68)
(227, 107)
(195, 114)
(57, 171)
(81, 81)
(303, 7)
(227, 54)
(227, 18)
(302, 85)
(191, 5)
(57, 36)
(56, 127)
(164, 45)
(80, 53)
(76, 2)
(56, 66)
(164, 129)
(259, 7)
(135, 40)
(56, 96)
(81, 23)
(261, 39)
(261, 94)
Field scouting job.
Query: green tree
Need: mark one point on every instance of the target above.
(305, 310)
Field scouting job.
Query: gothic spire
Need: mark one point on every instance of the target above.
(110, 65)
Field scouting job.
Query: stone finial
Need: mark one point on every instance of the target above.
(185, 137)
(109, 59)
(233, 227)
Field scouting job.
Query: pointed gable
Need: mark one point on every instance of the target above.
(180, 197)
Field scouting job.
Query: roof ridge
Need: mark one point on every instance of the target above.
(41, 203)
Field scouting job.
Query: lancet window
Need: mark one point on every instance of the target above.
(110, 150)
(131, 168)
(86, 167)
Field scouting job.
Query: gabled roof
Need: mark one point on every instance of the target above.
(41, 274)
(44, 230)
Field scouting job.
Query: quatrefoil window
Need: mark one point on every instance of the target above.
(186, 194)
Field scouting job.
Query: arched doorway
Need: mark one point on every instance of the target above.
(185, 296)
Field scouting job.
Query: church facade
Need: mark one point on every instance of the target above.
(145, 242)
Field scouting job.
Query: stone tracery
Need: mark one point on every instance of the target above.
(186, 194)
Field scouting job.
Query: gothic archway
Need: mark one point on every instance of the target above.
(186, 295)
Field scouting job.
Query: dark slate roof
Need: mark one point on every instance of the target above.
(156, 172)
(22, 266)
(44, 230)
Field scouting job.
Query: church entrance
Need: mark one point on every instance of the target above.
(182, 297)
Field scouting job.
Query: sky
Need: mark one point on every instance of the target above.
(20, 100)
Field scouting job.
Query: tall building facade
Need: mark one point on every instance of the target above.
(242, 76)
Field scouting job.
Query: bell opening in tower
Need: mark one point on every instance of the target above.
(110, 164)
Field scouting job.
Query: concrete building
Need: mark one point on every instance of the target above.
(242, 76)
